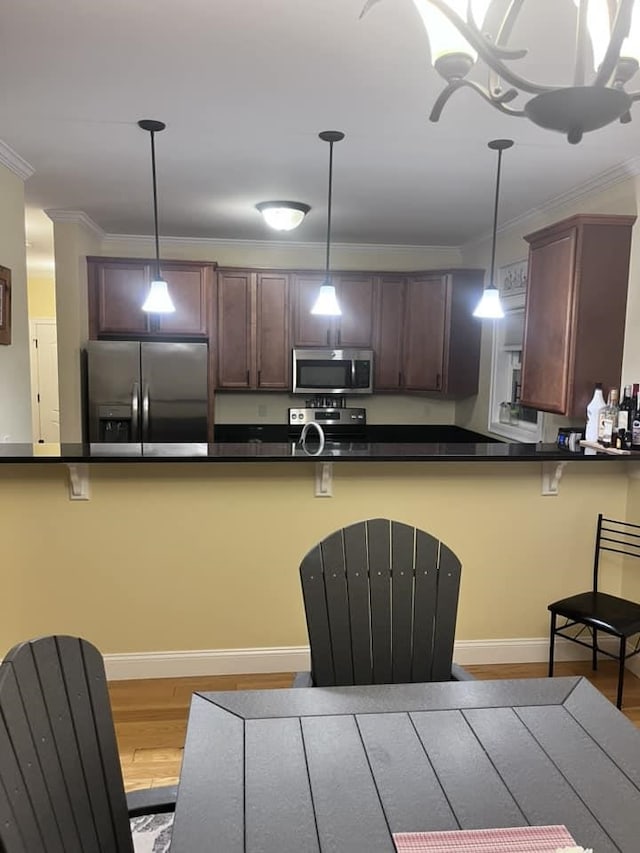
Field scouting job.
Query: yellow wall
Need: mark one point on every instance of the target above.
(41, 291)
(73, 242)
(205, 556)
(15, 399)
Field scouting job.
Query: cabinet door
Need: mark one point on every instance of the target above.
(389, 333)
(189, 287)
(425, 316)
(273, 346)
(547, 337)
(234, 330)
(309, 330)
(354, 327)
(116, 293)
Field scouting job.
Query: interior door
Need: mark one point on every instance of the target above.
(46, 405)
(174, 392)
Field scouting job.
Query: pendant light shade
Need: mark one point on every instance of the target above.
(283, 215)
(327, 302)
(158, 300)
(489, 306)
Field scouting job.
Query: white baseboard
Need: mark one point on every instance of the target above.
(296, 658)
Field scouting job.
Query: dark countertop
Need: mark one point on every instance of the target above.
(290, 452)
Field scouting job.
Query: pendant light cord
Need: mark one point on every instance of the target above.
(327, 266)
(495, 223)
(155, 202)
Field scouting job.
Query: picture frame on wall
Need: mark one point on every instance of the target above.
(5, 305)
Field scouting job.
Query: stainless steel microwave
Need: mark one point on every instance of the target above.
(332, 371)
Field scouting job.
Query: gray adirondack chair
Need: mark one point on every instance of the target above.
(61, 788)
(381, 601)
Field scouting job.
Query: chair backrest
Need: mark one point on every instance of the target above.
(622, 537)
(61, 788)
(381, 600)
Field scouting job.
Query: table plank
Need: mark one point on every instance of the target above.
(607, 726)
(348, 810)
(411, 795)
(522, 764)
(613, 800)
(210, 809)
(389, 698)
(279, 810)
(478, 796)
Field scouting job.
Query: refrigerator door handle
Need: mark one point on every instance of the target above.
(145, 412)
(135, 411)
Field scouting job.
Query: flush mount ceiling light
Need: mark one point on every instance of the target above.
(489, 306)
(283, 215)
(327, 301)
(158, 300)
(607, 50)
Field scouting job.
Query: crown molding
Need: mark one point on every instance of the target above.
(287, 245)
(78, 217)
(598, 183)
(14, 162)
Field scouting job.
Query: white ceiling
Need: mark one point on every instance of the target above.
(245, 86)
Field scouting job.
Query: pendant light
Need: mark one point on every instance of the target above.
(283, 215)
(489, 306)
(327, 302)
(158, 300)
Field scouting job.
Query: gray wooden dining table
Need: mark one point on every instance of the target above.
(341, 769)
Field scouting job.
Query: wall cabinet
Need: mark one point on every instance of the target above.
(426, 337)
(253, 342)
(575, 311)
(354, 328)
(118, 288)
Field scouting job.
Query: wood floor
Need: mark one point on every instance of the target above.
(151, 715)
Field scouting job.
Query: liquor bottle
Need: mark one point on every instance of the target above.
(625, 414)
(608, 419)
(593, 411)
(635, 424)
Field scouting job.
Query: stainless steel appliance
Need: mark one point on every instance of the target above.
(332, 371)
(146, 392)
(338, 424)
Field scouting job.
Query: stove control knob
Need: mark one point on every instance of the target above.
(293, 416)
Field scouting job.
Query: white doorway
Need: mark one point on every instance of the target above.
(45, 405)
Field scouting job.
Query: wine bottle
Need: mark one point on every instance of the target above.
(608, 419)
(635, 425)
(625, 413)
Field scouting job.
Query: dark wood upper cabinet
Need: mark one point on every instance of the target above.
(253, 344)
(575, 311)
(273, 343)
(119, 286)
(426, 336)
(189, 287)
(235, 331)
(354, 328)
(117, 290)
(389, 334)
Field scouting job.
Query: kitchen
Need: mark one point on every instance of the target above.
(50, 541)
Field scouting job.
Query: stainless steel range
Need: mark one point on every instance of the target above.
(338, 424)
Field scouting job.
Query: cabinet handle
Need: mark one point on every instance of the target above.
(338, 336)
(328, 334)
(438, 381)
(399, 377)
(248, 377)
(259, 377)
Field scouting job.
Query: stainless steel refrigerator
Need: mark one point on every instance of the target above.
(146, 392)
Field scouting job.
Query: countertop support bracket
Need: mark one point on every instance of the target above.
(324, 479)
(78, 481)
(551, 476)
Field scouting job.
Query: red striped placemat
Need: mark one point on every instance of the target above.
(519, 839)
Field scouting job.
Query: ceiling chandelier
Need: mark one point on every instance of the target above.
(607, 50)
